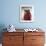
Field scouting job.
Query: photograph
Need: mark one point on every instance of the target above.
(26, 13)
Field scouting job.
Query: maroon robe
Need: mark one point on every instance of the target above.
(27, 15)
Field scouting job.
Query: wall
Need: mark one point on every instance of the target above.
(10, 13)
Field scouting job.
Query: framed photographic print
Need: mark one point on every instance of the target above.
(26, 13)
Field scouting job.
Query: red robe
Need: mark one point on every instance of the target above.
(27, 16)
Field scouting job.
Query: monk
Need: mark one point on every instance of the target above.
(27, 15)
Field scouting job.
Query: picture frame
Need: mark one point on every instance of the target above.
(26, 13)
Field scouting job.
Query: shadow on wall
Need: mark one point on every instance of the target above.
(2, 26)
